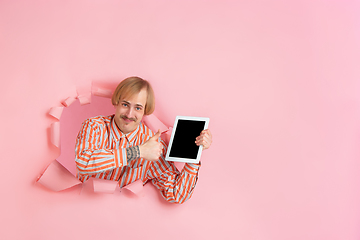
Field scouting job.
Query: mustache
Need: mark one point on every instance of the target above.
(125, 117)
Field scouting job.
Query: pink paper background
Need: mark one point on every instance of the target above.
(279, 80)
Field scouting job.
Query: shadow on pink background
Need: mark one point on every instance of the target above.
(279, 80)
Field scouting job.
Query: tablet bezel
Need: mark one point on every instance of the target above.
(186, 160)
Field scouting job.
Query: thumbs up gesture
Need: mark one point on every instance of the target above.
(151, 149)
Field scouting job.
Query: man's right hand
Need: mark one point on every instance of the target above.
(151, 149)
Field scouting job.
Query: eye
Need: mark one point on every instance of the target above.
(124, 104)
(138, 108)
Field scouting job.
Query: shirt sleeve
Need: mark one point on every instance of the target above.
(90, 157)
(174, 186)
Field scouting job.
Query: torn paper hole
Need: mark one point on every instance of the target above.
(60, 174)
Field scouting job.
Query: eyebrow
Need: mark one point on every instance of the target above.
(139, 105)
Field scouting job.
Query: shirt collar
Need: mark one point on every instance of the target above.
(117, 134)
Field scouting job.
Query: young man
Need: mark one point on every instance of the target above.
(120, 147)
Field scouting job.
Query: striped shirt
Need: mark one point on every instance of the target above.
(100, 152)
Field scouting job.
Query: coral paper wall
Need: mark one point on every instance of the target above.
(279, 80)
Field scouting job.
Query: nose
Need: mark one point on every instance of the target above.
(130, 113)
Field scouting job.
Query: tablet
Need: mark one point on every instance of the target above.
(182, 146)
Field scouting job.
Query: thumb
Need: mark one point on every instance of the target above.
(157, 135)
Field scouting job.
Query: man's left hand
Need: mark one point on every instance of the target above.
(204, 139)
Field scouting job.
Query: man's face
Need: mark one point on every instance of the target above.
(130, 111)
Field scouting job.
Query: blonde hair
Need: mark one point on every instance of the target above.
(133, 85)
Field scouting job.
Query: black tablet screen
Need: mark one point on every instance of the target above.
(183, 145)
